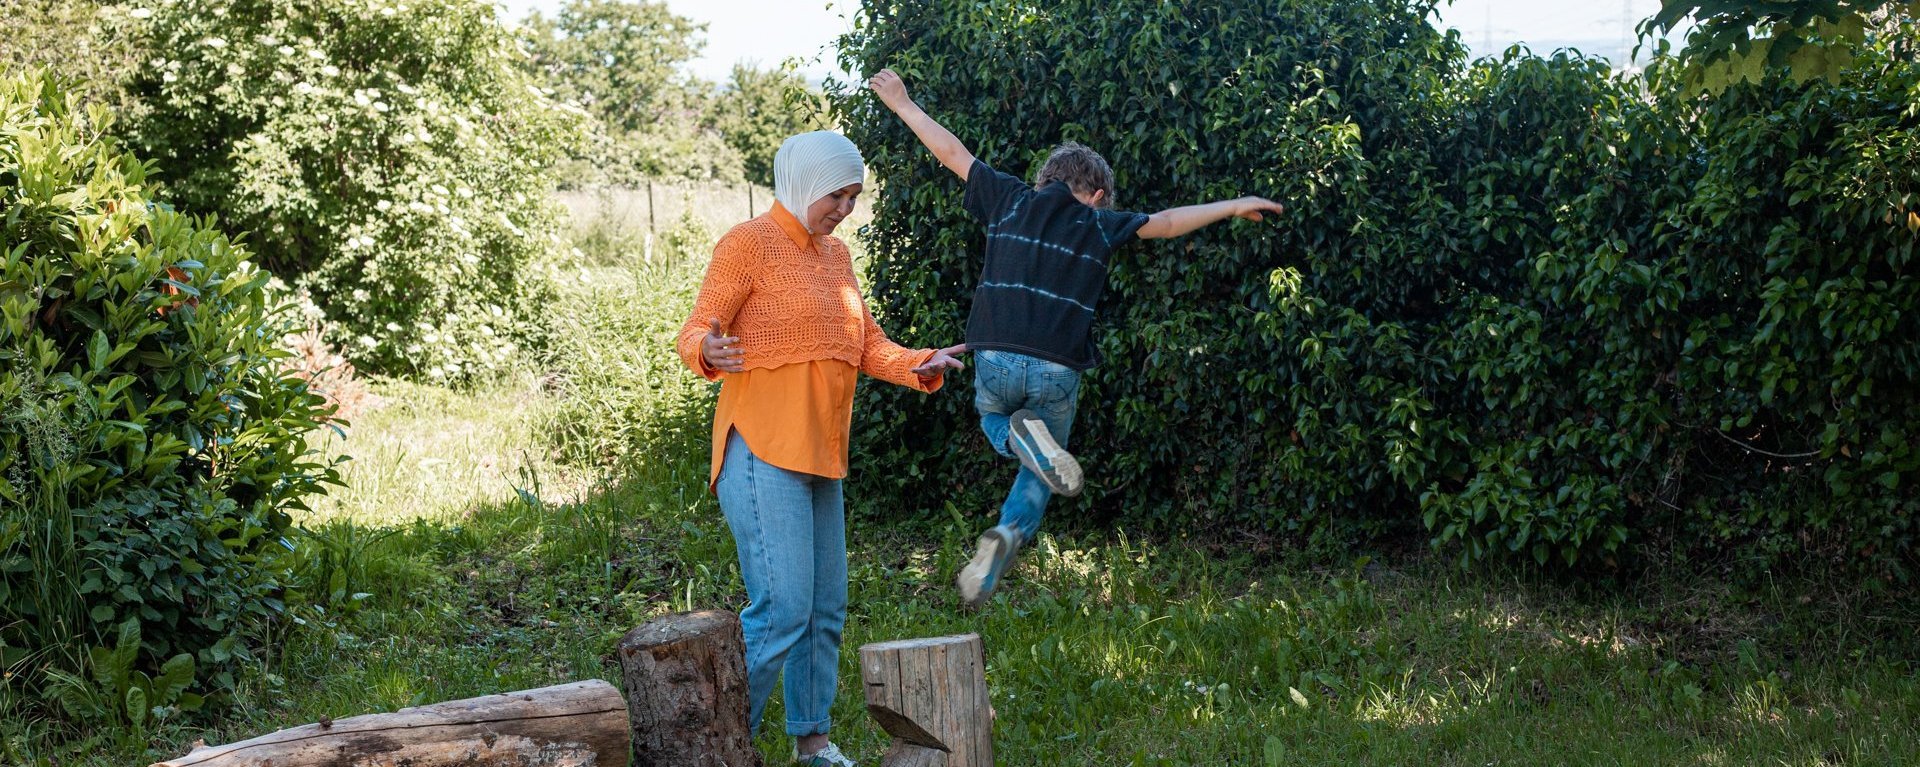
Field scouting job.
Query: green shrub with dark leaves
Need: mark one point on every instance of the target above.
(1517, 303)
(151, 445)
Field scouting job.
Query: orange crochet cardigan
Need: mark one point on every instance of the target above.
(792, 299)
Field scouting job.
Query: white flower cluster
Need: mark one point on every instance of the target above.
(432, 181)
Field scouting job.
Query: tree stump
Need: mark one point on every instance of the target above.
(931, 696)
(686, 681)
(583, 724)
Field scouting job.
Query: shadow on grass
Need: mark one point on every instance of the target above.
(1106, 650)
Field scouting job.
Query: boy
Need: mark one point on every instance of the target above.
(1031, 325)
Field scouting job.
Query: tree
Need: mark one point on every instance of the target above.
(1741, 40)
(393, 159)
(621, 63)
(760, 108)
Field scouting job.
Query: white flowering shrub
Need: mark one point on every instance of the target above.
(387, 155)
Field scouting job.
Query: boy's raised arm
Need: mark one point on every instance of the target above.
(1174, 222)
(946, 147)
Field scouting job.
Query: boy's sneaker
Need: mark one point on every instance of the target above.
(982, 575)
(1038, 451)
(826, 757)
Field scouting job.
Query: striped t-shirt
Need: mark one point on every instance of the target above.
(1046, 266)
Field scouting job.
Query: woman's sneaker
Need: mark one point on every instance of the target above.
(1043, 456)
(982, 575)
(826, 757)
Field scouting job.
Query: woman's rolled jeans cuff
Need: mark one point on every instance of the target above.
(790, 532)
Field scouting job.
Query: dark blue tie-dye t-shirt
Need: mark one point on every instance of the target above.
(1046, 266)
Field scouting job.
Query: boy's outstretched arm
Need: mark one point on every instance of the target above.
(1174, 222)
(946, 147)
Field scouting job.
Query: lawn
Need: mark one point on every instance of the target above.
(470, 555)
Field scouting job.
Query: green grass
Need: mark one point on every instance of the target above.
(504, 539)
(434, 454)
(1109, 649)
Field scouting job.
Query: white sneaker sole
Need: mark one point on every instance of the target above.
(1065, 466)
(973, 577)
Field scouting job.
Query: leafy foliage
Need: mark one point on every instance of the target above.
(1527, 305)
(67, 38)
(119, 696)
(619, 60)
(621, 63)
(1741, 40)
(759, 109)
(392, 157)
(150, 443)
(621, 400)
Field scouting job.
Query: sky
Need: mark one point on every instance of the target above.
(769, 31)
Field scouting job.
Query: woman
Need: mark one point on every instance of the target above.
(781, 318)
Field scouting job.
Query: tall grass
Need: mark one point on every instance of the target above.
(716, 205)
(621, 388)
(617, 226)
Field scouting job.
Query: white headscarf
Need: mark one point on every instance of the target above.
(810, 166)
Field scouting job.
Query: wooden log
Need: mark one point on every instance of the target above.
(583, 724)
(931, 696)
(686, 680)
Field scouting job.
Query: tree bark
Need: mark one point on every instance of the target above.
(571, 725)
(686, 679)
(931, 696)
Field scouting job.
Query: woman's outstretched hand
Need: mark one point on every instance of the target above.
(942, 361)
(719, 352)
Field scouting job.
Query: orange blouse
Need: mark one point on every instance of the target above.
(795, 305)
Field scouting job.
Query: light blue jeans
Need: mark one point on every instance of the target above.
(791, 530)
(1003, 383)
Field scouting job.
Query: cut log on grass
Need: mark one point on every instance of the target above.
(931, 696)
(686, 677)
(583, 724)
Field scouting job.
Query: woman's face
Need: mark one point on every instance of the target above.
(827, 212)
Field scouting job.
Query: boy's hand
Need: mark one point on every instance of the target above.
(941, 361)
(945, 147)
(890, 88)
(1250, 208)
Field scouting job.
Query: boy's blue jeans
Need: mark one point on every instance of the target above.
(1003, 383)
(791, 530)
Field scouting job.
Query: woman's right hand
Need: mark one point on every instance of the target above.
(719, 352)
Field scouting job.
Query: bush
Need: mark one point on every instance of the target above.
(67, 38)
(150, 443)
(1530, 306)
(1190, 419)
(762, 107)
(392, 157)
